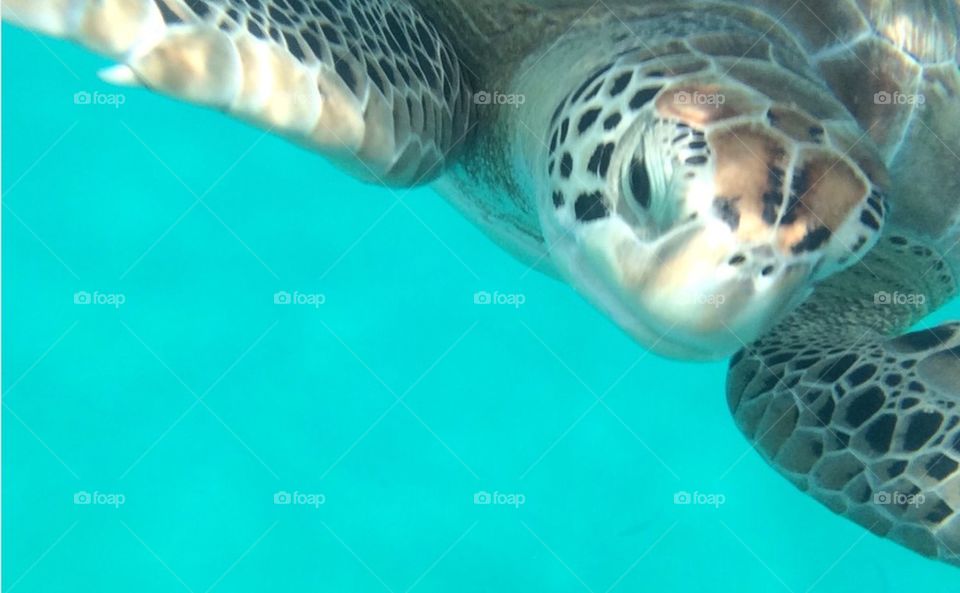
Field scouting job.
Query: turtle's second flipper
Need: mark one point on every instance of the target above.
(866, 423)
(368, 83)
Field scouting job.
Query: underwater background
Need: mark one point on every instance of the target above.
(230, 367)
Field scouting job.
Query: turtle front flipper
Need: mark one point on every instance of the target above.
(865, 421)
(368, 83)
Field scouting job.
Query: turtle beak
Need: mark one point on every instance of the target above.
(703, 305)
(688, 295)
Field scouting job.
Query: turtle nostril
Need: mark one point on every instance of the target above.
(767, 271)
(737, 259)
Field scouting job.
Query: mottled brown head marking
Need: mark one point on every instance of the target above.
(699, 103)
(751, 162)
(708, 166)
(775, 182)
(796, 124)
(825, 191)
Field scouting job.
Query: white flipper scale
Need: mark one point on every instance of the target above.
(861, 417)
(368, 83)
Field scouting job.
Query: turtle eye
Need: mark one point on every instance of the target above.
(638, 183)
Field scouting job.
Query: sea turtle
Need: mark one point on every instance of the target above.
(769, 179)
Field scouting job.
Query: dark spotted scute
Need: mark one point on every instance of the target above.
(941, 467)
(864, 405)
(589, 207)
(566, 166)
(612, 122)
(600, 160)
(168, 15)
(381, 49)
(726, 209)
(640, 183)
(825, 413)
(834, 369)
(896, 468)
(772, 200)
(620, 83)
(387, 41)
(813, 240)
(939, 513)
(870, 424)
(861, 374)
(594, 92)
(921, 426)
(564, 129)
(799, 185)
(587, 120)
(199, 7)
(925, 339)
(870, 220)
(643, 97)
(879, 433)
(578, 94)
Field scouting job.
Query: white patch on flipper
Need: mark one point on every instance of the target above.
(324, 78)
(114, 27)
(110, 27)
(120, 75)
(54, 17)
(275, 89)
(342, 120)
(195, 63)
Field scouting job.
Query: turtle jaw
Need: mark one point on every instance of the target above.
(686, 295)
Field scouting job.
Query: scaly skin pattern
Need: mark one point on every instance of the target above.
(682, 160)
(759, 177)
(390, 105)
(863, 419)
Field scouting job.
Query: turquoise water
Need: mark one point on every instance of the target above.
(183, 400)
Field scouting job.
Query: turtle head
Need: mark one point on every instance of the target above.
(696, 211)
